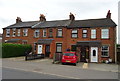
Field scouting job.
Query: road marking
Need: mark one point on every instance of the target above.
(41, 72)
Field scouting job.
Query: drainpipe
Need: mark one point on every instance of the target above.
(115, 47)
(115, 54)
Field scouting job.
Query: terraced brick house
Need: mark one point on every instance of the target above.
(92, 39)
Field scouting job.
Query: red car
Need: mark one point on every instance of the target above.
(69, 57)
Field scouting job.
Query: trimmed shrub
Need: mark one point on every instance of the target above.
(14, 50)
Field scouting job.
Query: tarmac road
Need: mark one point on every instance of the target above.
(19, 74)
(61, 71)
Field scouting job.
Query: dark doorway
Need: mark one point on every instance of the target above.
(83, 54)
(47, 50)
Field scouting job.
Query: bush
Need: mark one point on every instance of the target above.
(14, 50)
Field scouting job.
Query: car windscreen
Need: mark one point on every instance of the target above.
(68, 54)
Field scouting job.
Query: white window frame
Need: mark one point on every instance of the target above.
(93, 33)
(59, 32)
(18, 32)
(51, 32)
(25, 32)
(74, 33)
(104, 51)
(58, 47)
(44, 33)
(84, 33)
(36, 33)
(14, 32)
(5, 41)
(7, 32)
(105, 33)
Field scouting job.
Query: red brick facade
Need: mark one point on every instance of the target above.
(66, 40)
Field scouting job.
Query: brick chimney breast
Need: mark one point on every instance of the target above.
(108, 14)
(71, 16)
(42, 17)
(18, 20)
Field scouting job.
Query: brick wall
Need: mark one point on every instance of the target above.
(67, 40)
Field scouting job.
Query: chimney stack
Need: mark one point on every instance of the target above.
(18, 20)
(71, 16)
(42, 17)
(108, 14)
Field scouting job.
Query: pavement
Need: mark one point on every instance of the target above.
(46, 66)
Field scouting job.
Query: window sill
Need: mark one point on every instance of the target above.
(84, 37)
(7, 36)
(105, 57)
(25, 36)
(59, 36)
(50, 37)
(35, 37)
(93, 38)
(74, 37)
(105, 38)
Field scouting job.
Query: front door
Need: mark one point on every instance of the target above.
(94, 54)
(47, 50)
(83, 54)
(39, 49)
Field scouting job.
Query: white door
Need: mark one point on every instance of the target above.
(39, 49)
(94, 54)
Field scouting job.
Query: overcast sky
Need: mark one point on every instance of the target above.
(30, 10)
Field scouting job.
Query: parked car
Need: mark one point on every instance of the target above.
(69, 57)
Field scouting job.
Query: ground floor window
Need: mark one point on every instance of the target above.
(73, 47)
(58, 47)
(24, 41)
(105, 51)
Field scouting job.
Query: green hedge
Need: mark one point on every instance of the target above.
(14, 50)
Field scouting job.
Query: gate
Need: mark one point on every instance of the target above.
(57, 58)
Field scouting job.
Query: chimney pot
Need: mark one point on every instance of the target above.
(71, 16)
(108, 14)
(18, 20)
(42, 17)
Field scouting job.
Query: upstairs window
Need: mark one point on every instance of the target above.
(59, 33)
(93, 33)
(36, 33)
(25, 32)
(7, 32)
(18, 32)
(105, 51)
(50, 33)
(105, 33)
(74, 33)
(84, 33)
(44, 33)
(14, 31)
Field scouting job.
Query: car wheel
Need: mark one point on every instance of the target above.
(62, 63)
(75, 64)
